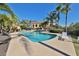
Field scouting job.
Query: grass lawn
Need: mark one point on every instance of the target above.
(76, 45)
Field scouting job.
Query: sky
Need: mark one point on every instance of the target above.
(38, 11)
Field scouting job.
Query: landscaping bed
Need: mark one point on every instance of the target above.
(76, 44)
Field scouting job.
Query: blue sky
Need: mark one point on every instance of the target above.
(38, 11)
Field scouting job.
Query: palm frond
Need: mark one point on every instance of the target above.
(58, 8)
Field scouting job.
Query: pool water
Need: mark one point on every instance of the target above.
(37, 36)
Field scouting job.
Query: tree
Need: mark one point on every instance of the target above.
(70, 27)
(76, 26)
(12, 16)
(5, 22)
(25, 24)
(53, 18)
(65, 10)
(58, 10)
(5, 7)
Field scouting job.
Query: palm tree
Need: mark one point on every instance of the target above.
(65, 10)
(53, 17)
(6, 8)
(5, 22)
(48, 19)
(13, 17)
(58, 10)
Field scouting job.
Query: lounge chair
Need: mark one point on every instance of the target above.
(63, 36)
(60, 37)
(78, 39)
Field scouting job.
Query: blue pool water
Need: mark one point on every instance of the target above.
(37, 36)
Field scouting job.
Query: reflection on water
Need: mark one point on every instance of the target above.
(35, 34)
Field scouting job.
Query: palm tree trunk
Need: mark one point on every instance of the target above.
(58, 19)
(66, 22)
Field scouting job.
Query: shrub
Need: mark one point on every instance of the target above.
(75, 32)
(23, 26)
(56, 30)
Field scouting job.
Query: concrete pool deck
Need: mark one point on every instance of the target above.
(20, 46)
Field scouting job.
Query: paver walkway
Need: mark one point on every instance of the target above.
(4, 42)
(22, 47)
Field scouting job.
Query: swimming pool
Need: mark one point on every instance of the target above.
(37, 36)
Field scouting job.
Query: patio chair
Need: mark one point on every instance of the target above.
(60, 37)
(63, 36)
(78, 39)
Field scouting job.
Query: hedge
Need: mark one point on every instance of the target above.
(56, 30)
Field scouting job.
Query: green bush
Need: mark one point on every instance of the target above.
(56, 30)
(23, 26)
(75, 32)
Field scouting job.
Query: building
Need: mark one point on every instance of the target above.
(35, 24)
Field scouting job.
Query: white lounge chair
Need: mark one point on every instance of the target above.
(63, 36)
(78, 39)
